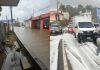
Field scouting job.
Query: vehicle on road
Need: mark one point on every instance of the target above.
(97, 26)
(70, 29)
(84, 28)
(55, 29)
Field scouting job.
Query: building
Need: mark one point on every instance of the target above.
(3, 28)
(27, 23)
(53, 16)
(41, 22)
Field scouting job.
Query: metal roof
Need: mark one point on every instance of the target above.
(9, 2)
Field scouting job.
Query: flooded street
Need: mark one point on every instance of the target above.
(37, 44)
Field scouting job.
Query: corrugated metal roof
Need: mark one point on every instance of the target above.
(9, 2)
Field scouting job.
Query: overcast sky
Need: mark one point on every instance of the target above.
(76, 2)
(26, 8)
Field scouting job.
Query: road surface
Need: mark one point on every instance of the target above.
(84, 56)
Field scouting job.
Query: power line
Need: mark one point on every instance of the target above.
(45, 8)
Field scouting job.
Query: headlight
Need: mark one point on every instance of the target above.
(96, 31)
(80, 31)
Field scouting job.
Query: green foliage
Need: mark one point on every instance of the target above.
(63, 8)
(73, 11)
(80, 8)
(89, 7)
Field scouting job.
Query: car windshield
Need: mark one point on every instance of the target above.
(85, 25)
(55, 25)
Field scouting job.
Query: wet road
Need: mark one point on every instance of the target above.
(81, 56)
(37, 43)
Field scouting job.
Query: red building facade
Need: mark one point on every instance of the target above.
(41, 22)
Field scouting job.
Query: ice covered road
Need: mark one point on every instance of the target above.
(81, 56)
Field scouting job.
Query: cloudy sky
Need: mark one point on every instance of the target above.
(76, 2)
(26, 8)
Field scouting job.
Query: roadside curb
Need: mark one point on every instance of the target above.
(65, 60)
(62, 57)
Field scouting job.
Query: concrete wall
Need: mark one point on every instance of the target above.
(53, 16)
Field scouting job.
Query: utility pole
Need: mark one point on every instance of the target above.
(11, 18)
(7, 22)
(33, 13)
(57, 12)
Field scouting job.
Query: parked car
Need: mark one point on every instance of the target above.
(70, 29)
(55, 29)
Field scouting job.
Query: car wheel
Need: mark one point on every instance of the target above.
(79, 38)
(75, 35)
(61, 32)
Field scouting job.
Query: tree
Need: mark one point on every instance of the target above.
(63, 8)
(83, 10)
(80, 8)
(94, 14)
(72, 10)
(89, 8)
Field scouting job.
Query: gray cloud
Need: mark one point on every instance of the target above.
(26, 8)
(76, 2)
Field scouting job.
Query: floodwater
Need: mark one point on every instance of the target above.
(37, 43)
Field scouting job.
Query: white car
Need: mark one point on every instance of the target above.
(83, 30)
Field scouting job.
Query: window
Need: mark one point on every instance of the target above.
(85, 25)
